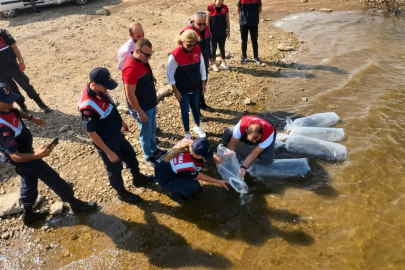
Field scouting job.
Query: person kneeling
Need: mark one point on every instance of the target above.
(179, 169)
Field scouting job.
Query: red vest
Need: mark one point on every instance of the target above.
(182, 58)
(207, 32)
(268, 128)
(184, 161)
(187, 75)
(100, 106)
(11, 121)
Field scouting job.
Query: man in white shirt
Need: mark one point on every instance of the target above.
(135, 34)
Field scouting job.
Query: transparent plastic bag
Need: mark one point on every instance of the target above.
(321, 133)
(229, 169)
(280, 168)
(327, 119)
(316, 148)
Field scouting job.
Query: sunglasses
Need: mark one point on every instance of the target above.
(147, 55)
(190, 45)
(201, 24)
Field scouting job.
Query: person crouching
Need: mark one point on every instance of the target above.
(179, 169)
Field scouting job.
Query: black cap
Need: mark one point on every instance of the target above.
(6, 96)
(202, 147)
(102, 76)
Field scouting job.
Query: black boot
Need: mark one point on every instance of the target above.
(126, 196)
(22, 105)
(42, 105)
(177, 197)
(79, 206)
(30, 216)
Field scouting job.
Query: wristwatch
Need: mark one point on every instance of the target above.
(20, 61)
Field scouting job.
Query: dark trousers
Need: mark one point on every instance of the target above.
(189, 101)
(266, 155)
(31, 171)
(124, 150)
(11, 75)
(220, 41)
(33, 5)
(254, 32)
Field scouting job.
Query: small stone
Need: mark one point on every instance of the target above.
(56, 208)
(304, 1)
(227, 55)
(312, 9)
(70, 132)
(304, 99)
(164, 91)
(5, 236)
(263, 64)
(123, 108)
(64, 128)
(284, 47)
(248, 101)
(102, 11)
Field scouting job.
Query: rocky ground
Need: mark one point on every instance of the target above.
(63, 43)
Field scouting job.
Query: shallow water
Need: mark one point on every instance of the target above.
(350, 215)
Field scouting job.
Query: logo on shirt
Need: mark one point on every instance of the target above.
(86, 112)
(15, 121)
(196, 56)
(11, 142)
(6, 91)
(5, 134)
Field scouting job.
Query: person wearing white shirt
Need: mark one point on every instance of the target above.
(135, 33)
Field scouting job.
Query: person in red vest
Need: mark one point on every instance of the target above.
(219, 25)
(179, 170)
(252, 130)
(199, 25)
(16, 148)
(103, 123)
(186, 74)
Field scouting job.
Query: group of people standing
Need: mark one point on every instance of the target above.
(187, 71)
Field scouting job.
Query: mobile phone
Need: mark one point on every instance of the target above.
(53, 143)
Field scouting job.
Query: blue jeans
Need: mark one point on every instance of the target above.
(189, 100)
(147, 132)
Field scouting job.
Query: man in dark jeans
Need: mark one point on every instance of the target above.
(249, 11)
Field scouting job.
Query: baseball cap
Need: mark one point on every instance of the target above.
(202, 147)
(6, 96)
(102, 76)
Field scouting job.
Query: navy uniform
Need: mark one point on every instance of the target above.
(16, 147)
(179, 175)
(100, 118)
(10, 72)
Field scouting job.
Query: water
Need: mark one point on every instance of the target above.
(350, 215)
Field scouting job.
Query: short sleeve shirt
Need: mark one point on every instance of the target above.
(268, 130)
(8, 143)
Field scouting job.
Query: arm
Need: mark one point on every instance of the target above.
(35, 120)
(41, 152)
(20, 59)
(260, 10)
(209, 179)
(171, 70)
(203, 73)
(249, 160)
(218, 159)
(100, 143)
(133, 101)
(228, 26)
(232, 143)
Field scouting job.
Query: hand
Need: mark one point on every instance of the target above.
(43, 151)
(21, 66)
(217, 159)
(124, 127)
(228, 35)
(112, 157)
(241, 173)
(204, 88)
(228, 152)
(223, 184)
(143, 117)
(38, 121)
(177, 94)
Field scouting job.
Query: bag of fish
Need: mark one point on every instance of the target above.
(315, 148)
(327, 119)
(280, 168)
(321, 133)
(229, 168)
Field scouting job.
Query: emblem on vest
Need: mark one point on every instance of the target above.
(6, 91)
(196, 56)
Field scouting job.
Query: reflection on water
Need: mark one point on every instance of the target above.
(350, 215)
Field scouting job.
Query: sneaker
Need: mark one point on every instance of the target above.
(159, 153)
(79, 206)
(188, 135)
(224, 66)
(257, 61)
(243, 60)
(34, 216)
(177, 197)
(206, 108)
(215, 68)
(126, 196)
(199, 131)
(151, 161)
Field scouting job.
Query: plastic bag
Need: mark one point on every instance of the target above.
(321, 133)
(327, 119)
(280, 168)
(316, 148)
(229, 169)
